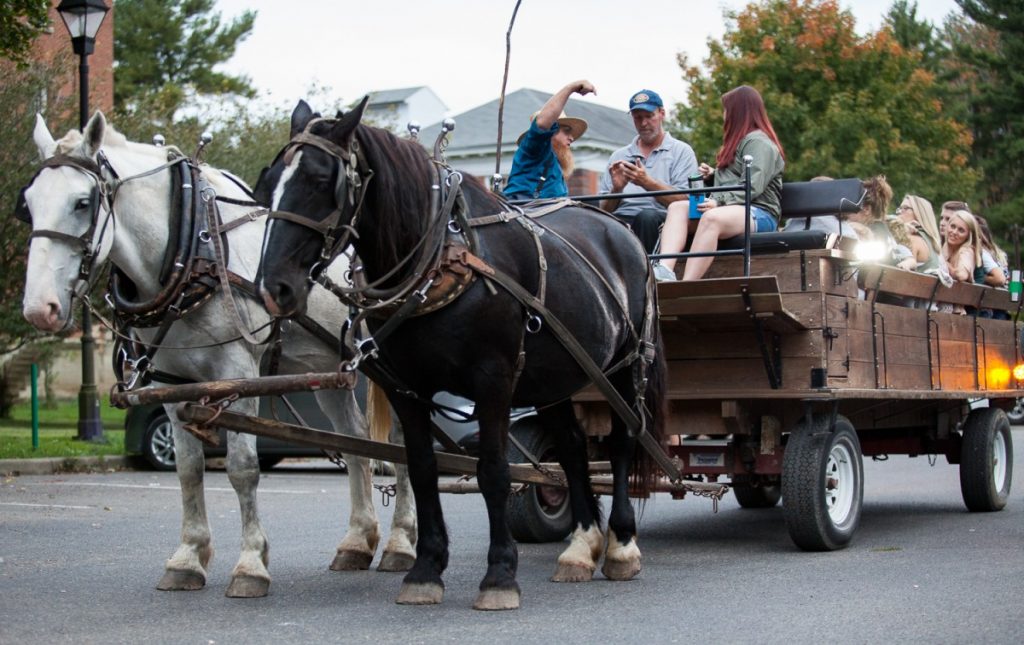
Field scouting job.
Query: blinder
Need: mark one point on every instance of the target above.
(21, 211)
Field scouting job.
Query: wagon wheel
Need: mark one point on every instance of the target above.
(763, 496)
(822, 484)
(986, 460)
(537, 513)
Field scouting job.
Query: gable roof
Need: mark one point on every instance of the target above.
(476, 130)
(384, 97)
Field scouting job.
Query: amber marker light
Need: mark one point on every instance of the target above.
(1018, 372)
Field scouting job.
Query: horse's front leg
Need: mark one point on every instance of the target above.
(186, 568)
(622, 558)
(498, 589)
(579, 560)
(423, 584)
(249, 578)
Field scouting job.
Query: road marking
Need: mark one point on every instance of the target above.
(176, 489)
(46, 505)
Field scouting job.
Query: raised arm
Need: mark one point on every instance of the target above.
(551, 110)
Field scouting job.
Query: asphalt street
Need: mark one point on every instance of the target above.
(80, 556)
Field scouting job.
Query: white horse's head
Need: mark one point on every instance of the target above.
(64, 204)
(73, 229)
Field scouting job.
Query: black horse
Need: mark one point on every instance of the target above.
(344, 182)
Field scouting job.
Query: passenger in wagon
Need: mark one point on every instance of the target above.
(962, 249)
(543, 159)
(654, 160)
(746, 131)
(993, 268)
(948, 209)
(916, 212)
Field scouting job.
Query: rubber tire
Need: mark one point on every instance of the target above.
(748, 496)
(984, 482)
(530, 517)
(1016, 413)
(158, 443)
(808, 460)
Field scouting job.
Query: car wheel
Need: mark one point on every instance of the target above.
(1016, 413)
(986, 460)
(537, 513)
(158, 443)
(764, 496)
(822, 484)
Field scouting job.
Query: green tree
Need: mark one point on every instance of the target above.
(20, 22)
(842, 104)
(915, 35)
(991, 53)
(169, 49)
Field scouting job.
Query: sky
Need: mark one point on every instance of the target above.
(457, 47)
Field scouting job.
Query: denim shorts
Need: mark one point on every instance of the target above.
(763, 220)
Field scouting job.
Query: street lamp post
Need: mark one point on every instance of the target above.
(83, 19)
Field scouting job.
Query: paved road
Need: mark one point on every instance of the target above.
(81, 555)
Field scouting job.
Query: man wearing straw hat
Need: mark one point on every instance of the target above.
(543, 159)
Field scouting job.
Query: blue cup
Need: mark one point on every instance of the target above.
(694, 201)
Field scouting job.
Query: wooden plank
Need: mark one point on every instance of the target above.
(740, 344)
(738, 375)
(720, 302)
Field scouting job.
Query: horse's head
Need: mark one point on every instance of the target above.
(64, 205)
(314, 188)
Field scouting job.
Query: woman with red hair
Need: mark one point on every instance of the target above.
(747, 131)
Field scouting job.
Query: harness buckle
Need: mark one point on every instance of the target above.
(204, 236)
(139, 367)
(534, 323)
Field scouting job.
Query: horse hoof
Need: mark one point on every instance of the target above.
(497, 600)
(248, 587)
(620, 569)
(178, 580)
(351, 561)
(396, 562)
(573, 573)
(420, 593)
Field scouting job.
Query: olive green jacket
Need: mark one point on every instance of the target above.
(765, 174)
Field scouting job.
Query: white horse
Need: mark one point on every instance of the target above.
(100, 195)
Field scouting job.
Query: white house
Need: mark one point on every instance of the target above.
(393, 109)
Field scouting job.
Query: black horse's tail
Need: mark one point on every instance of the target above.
(655, 411)
(655, 402)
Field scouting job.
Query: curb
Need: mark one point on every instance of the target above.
(54, 465)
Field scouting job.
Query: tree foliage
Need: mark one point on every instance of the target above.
(989, 73)
(170, 48)
(843, 105)
(20, 22)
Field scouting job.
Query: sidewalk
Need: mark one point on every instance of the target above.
(53, 465)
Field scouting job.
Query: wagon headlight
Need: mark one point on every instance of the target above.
(870, 250)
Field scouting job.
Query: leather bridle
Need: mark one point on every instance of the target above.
(349, 192)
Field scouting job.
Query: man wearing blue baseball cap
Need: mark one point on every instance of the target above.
(654, 160)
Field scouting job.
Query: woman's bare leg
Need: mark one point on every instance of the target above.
(715, 224)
